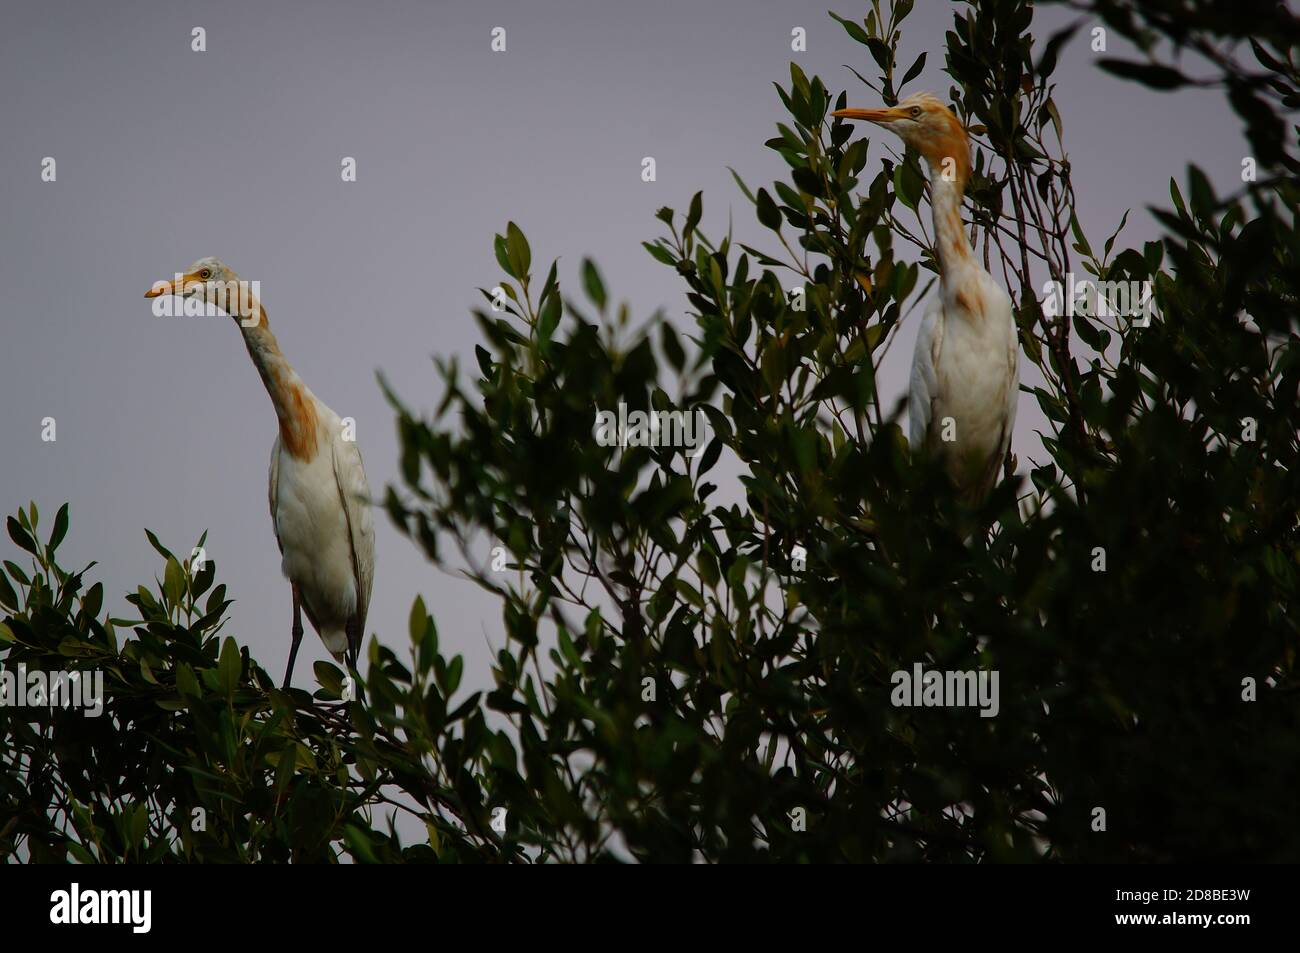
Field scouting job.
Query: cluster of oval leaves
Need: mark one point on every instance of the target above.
(673, 684)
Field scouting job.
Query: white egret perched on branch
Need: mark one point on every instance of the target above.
(318, 490)
(965, 377)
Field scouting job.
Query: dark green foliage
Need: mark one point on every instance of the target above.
(681, 679)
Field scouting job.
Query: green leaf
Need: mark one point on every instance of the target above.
(880, 52)
(8, 598)
(1177, 197)
(593, 626)
(741, 182)
(359, 844)
(693, 214)
(660, 253)
(549, 319)
(1055, 115)
(1153, 75)
(330, 678)
(93, 600)
(672, 347)
(163, 551)
(710, 456)
(173, 582)
(908, 185)
(1047, 62)
(60, 528)
(768, 214)
(591, 281)
(913, 71)
(229, 666)
(1110, 242)
(690, 593)
(517, 250)
(808, 180)
(852, 29)
(455, 668)
(1204, 204)
(186, 683)
(418, 624)
(20, 536)
(1080, 239)
(503, 256)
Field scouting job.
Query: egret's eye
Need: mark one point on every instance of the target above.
(205, 274)
(916, 111)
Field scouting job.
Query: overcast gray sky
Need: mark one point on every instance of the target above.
(165, 155)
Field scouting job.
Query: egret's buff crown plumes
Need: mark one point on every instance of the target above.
(965, 377)
(318, 490)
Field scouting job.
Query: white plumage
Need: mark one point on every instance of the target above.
(965, 370)
(328, 549)
(318, 493)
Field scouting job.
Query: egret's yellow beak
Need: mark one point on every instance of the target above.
(871, 115)
(170, 287)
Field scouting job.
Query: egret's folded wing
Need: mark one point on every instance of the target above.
(354, 491)
(273, 491)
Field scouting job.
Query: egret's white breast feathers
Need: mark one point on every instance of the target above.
(965, 382)
(963, 390)
(321, 514)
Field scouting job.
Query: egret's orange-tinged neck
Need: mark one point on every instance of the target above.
(294, 406)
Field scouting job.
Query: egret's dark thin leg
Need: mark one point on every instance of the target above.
(354, 641)
(297, 636)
